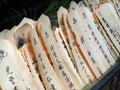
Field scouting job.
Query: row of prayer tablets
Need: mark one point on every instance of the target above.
(74, 55)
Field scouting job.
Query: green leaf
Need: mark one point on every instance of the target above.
(118, 59)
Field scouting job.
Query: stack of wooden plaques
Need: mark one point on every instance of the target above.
(72, 56)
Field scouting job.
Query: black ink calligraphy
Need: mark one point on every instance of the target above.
(8, 70)
(3, 54)
(74, 21)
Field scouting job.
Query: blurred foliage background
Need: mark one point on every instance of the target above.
(55, 4)
(13, 11)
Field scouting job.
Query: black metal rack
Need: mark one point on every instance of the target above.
(111, 81)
